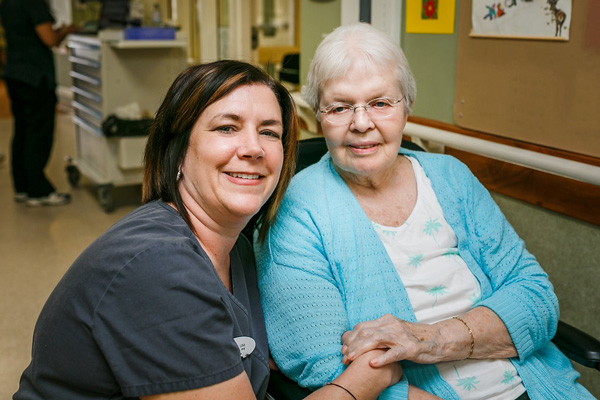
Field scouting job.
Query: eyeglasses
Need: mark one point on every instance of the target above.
(342, 114)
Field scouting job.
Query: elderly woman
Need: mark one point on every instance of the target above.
(377, 247)
(164, 305)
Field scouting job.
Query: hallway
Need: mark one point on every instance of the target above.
(37, 245)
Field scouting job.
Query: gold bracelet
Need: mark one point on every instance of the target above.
(470, 333)
(341, 387)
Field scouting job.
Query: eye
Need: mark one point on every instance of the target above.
(380, 103)
(272, 134)
(339, 109)
(224, 129)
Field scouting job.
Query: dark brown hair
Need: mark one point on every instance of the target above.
(195, 89)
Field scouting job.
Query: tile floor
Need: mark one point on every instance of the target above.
(37, 245)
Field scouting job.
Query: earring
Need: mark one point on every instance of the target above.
(178, 177)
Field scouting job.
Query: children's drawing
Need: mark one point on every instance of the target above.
(559, 16)
(527, 19)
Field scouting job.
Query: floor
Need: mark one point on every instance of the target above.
(37, 245)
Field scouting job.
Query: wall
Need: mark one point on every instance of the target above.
(432, 60)
(316, 19)
(567, 248)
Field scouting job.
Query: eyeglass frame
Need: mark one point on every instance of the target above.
(353, 108)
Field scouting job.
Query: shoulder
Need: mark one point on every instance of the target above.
(147, 241)
(316, 185)
(318, 172)
(151, 254)
(38, 11)
(154, 221)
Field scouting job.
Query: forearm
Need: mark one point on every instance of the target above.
(53, 37)
(361, 379)
(447, 340)
(414, 393)
(489, 336)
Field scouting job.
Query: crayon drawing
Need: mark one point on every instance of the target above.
(527, 19)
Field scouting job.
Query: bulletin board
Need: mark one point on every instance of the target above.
(538, 91)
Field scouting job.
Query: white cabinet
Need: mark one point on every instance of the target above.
(108, 72)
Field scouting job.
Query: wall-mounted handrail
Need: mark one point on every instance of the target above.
(514, 155)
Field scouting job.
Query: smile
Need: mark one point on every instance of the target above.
(243, 176)
(364, 148)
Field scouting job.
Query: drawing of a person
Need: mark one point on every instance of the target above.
(491, 12)
(501, 12)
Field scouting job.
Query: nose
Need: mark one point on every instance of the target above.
(361, 120)
(250, 146)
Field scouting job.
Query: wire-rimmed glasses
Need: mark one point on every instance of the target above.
(342, 114)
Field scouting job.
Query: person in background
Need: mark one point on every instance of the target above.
(164, 305)
(378, 247)
(30, 80)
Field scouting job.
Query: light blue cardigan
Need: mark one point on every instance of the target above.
(322, 269)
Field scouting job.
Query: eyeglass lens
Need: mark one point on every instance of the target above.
(376, 108)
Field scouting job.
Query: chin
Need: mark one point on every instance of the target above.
(246, 209)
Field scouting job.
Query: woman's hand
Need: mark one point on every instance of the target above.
(404, 341)
(446, 340)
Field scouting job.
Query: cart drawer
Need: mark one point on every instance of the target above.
(90, 95)
(85, 50)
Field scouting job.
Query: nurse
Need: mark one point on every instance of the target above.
(165, 305)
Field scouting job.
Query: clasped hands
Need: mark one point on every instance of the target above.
(402, 340)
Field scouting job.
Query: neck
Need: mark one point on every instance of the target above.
(216, 239)
(379, 181)
(218, 247)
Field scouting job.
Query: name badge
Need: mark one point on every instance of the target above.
(246, 345)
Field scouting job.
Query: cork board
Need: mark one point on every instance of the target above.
(537, 91)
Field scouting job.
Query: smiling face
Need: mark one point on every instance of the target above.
(365, 148)
(234, 157)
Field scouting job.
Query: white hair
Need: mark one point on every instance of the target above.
(357, 44)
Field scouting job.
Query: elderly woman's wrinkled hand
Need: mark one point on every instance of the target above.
(403, 340)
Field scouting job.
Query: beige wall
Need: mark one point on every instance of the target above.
(316, 19)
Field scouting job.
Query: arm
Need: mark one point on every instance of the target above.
(514, 285)
(303, 294)
(446, 340)
(362, 380)
(308, 289)
(304, 310)
(518, 299)
(53, 37)
(238, 387)
(302, 302)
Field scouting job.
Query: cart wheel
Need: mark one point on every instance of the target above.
(73, 175)
(105, 198)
